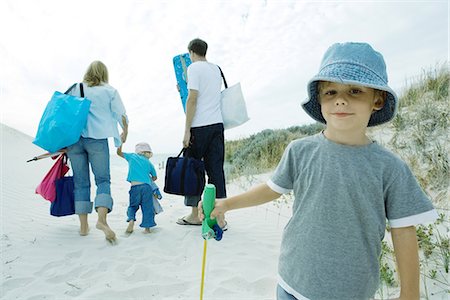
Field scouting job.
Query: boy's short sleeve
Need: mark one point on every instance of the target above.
(282, 181)
(406, 202)
(126, 156)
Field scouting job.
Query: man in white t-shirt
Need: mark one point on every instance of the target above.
(203, 135)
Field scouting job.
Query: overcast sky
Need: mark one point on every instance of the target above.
(272, 47)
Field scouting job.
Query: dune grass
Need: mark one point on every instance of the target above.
(421, 138)
(261, 152)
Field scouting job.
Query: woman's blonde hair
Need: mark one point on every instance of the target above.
(96, 74)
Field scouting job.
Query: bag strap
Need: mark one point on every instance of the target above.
(61, 161)
(223, 77)
(182, 151)
(72, 86)
(81, 90)
(183, 174)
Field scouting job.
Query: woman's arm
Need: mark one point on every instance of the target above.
(124, 134)
(119, 151)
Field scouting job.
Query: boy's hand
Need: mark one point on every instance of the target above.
(119, 151)
(220, 208)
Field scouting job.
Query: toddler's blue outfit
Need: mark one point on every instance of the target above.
(141, 169)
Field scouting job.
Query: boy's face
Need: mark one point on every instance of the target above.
(348, 107)
(147, 154)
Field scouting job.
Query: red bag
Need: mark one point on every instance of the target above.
(47, 188)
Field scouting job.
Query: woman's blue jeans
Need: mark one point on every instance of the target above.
(93, 152)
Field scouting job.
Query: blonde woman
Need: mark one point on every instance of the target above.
(106, 111)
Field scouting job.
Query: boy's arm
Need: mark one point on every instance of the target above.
(153, 174)
(407, 256)
(119, 151)
(257, 195)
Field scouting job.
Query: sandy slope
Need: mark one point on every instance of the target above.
(43, 257)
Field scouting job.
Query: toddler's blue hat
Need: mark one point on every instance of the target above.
(353, 63)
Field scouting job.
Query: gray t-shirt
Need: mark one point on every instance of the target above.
(343, 196)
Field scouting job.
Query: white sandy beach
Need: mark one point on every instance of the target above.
(43, 257)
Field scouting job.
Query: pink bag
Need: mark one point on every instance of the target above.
(47, 188)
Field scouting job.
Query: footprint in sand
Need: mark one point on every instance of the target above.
(141, 273)
(59, 271)
(67, 274)
(75, 254)
(50, 269)
(15, 283)
(41, 296)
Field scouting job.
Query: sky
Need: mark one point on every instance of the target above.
(271, 47)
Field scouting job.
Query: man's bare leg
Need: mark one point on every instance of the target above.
(193, 217)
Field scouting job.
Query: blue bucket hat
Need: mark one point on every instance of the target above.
(353, 63)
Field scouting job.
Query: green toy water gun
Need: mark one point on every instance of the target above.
(210, 228)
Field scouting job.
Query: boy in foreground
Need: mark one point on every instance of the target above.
(345, 187)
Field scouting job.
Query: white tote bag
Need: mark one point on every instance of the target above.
(232, 105)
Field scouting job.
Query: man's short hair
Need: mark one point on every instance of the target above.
(198, 46)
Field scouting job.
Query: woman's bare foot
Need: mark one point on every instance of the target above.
(147, 230)
(130, 227)
(84, 230)
(109, 234)
(103, 226)
(84, 227)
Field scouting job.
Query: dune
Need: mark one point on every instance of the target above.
(44, 257)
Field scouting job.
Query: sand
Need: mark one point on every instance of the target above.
(44, 257)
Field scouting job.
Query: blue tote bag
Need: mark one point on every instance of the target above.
(64, 204)
(63, 120)
(185, 176)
